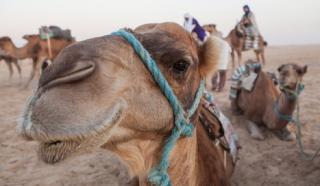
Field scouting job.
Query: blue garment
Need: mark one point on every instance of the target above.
(201, 33)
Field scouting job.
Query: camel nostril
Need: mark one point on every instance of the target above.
(67, 74)
(45, 64)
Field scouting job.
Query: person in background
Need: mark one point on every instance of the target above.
(219, 79)
(193, 26)
(249, 22)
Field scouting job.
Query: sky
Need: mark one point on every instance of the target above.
(281, 22)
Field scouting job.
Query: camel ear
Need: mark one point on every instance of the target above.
(280, 68)
(302, 70)
(211, 54)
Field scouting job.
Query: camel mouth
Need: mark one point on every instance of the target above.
(55, 148)
(285, 87)
(56, 151)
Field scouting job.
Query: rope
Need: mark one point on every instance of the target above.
(159, 175)
(296, 121)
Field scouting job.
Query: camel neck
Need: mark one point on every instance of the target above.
(285, 104)
(143, 155)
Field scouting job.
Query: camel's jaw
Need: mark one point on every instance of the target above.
(57, 146)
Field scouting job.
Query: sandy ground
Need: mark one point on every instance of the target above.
(270, 162)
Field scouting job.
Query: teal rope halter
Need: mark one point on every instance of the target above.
(294, 95)
(159, 175)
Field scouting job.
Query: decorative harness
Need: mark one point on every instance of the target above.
(294, 95)
(159, 175)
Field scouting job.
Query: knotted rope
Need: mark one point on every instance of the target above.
(159, 174)
(296, 121)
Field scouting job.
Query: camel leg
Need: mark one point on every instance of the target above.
(15, 62)
(239, 54)
(8, 63)
(257, 55)
(33, 72)
(284, 134)
(38, 67)
(255, 131)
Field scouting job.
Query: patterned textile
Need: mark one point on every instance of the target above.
(251, 38)
(243, 77)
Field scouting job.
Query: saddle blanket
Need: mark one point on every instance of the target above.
(55, 32)
(251, 43)
(244, 78)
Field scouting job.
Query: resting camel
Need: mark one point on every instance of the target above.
(35, 49)
(266, 105)
(9, 61)
(98, 93)
(236, 39)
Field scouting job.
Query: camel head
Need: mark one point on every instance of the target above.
(31, 37)
(291, 75)
(98, 92)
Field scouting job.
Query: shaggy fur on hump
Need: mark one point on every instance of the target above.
(210, 56)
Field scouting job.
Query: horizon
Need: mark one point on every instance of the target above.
(286, 22)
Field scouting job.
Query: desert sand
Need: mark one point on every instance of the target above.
(268, 162)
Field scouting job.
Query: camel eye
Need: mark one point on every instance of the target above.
(180, 67)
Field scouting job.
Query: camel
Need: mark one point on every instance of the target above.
(35, 48)
(9, 61)
(29, 50)
(236, 39)
(126, 112)
(43, 53)
(56, 45)
(266, 104)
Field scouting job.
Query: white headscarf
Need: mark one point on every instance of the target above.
(188, 24)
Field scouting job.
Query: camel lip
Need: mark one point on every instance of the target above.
(56, 151)
(57, 147)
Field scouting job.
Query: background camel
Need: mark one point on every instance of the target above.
(265, 102)
(127, 113)
(36, 49)
(236, 39)
(29, 50)
(43, 53)
(9, 61)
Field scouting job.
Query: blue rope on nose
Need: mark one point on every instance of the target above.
(159, 174)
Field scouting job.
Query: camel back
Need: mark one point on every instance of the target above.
(244, 78)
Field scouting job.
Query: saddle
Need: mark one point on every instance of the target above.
(55, 32)
(218, 127)
(244, 78)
